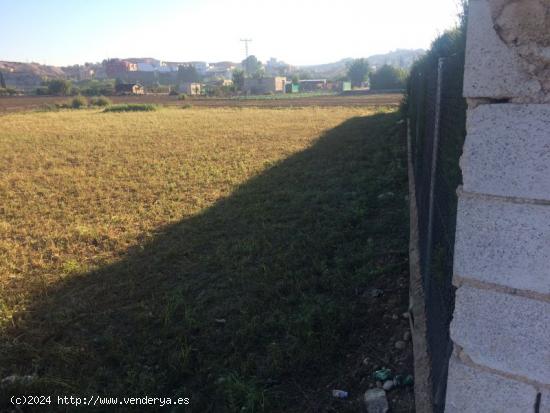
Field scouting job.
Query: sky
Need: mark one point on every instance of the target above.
(299, 32)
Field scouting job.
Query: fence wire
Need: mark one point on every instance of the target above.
(437, 114)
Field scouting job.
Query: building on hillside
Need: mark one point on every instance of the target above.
(219, 82)
(276, 67)
(129, 89)
(169, 67)
(79, 72)
(264, 85)
(190, 88)
(116, 67)
(311, 85)
(221, 69)
(146, 67)
(201, 67)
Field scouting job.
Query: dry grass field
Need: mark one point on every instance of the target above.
(219, 254)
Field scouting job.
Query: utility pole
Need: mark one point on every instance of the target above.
(246, 41)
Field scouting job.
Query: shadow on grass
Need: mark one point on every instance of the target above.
(250, 305)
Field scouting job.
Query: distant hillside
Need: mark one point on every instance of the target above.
(328, 69)
(27, 76)
(149, 60)
(403, 58)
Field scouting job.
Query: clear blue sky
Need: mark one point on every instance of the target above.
(297, 31)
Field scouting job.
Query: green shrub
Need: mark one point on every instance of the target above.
(78, 101)
(186, 106)
(100, 101)
(388, 77)
(182, 96)
(49, 107)
(97, 87)
(59, 87)
(7, 91)
(42, 91)
(131, 107)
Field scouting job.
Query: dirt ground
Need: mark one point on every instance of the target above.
(14, 103)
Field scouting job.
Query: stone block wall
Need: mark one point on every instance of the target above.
(501, 323)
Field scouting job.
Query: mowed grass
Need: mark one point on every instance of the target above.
(216, 254)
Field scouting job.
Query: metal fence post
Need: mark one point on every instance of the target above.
(437, 122)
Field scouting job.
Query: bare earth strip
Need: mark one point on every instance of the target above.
(8, 104)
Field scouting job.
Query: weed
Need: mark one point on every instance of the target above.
(100, 101)
(78, 102)
(131, 107)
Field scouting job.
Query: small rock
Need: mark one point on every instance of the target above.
(376, 401)
(388, 385)
(400, 345)
(366, 361)
(220, 320)
(406, 335)
(408, 381)
(405, 315)
(376, 292)
(394, 317)
(15, 379)
(340, 394)
(385, 195)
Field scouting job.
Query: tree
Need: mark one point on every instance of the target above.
(388, 77)
(252, 66)
(188, 74)
(2, 81)
(238, 79)
(358, 71)
(59, 87)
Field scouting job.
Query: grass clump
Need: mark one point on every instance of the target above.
(100, 101)
(131, 107)
(182, 96)
(78, 102)
(49, 107)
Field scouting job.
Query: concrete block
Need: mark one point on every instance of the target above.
(545, 402)
(503, 332)
(507, 151)
(470, 390)
(503, 242)
(493, 69)
(375, 401)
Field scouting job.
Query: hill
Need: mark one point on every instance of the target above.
(26, 76)
(403, 58)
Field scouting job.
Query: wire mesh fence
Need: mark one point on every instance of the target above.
(437, 115)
